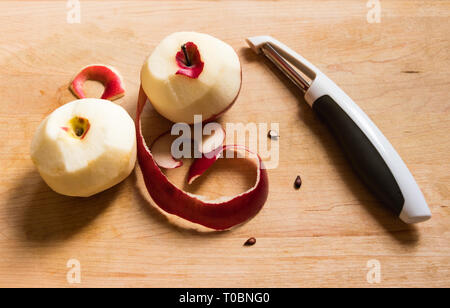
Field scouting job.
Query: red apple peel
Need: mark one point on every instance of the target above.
(161, 149)
(108, 76)
(162, 146)
(217, 215)
(199, 166)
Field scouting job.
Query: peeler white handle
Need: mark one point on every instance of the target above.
(370, 153)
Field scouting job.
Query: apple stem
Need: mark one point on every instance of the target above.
(188, 62)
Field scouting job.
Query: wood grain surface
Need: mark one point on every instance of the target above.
(322, 235)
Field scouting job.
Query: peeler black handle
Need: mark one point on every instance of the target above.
(380, 167)
(364, 157)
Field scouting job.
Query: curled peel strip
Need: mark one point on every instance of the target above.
(161, 148)
(221, 214)
(161, 151)
(107, 75)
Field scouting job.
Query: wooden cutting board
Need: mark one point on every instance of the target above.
(322, 235)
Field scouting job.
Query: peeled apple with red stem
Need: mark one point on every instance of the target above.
(191, 74)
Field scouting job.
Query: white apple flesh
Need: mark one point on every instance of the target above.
(85, 147)
(178, 97)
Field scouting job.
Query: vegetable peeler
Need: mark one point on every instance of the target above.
(370, 153)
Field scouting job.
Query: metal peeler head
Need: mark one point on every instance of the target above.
(294, 66)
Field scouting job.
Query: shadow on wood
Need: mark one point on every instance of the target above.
(44, 216)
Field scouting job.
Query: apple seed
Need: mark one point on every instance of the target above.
(250, 242)
(298, 182)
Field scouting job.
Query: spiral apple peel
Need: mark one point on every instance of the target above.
(218, 215)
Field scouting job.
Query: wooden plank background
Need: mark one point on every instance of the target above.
(322, 235)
